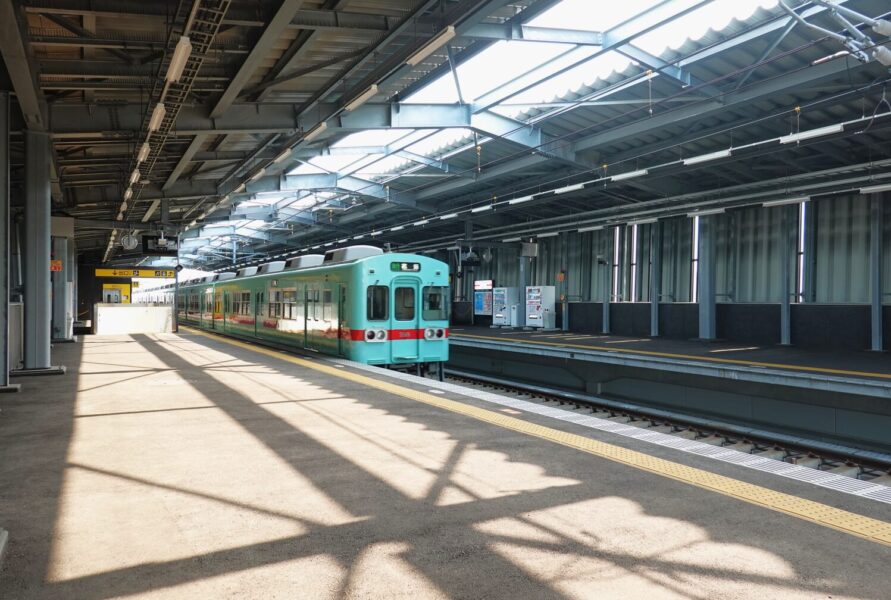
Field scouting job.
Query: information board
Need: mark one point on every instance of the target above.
(149, 273)
(482, 303)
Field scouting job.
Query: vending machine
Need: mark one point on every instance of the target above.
(504, 306)
(541, 306)
(482, 297)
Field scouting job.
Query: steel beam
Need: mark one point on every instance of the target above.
(15, 53)
(4, 245)
(184, 160)
(270, 36)
(351, 184)
(531, 33)
(787, 239)
(707, 243)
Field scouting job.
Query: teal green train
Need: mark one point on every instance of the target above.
(357, 303)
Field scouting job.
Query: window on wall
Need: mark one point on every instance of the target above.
(376, 301)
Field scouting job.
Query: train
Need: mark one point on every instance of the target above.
(357, 303)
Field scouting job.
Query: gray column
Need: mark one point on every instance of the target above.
(786, 240)
(523, 281)
(607, 275)
(655, 276)
(37, 252)
(707, 312)
(810, 249)
(4, 245)
(875, 272)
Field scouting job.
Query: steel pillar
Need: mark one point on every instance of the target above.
(875, 272)
(608, 267)
(37, 255)
(523, 281)
(5, 386)
(786, 240)
(707, 311)
(655, 276)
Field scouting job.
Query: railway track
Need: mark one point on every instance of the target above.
(850, 462)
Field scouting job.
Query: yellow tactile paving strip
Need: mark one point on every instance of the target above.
(693, 357)
(808, 510)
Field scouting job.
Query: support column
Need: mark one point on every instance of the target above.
(655, 276)
(786, 240)
(707, 310)
(523, 277)
(875, 272)
(607, 276)
(37, 255)
(5, 386)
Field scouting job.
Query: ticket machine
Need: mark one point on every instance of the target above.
(541, 308)
(504, 306)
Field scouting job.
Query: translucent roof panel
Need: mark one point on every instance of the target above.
(372, 137)
(577, 14)
(433, 145)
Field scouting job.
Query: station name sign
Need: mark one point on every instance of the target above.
(149, 273)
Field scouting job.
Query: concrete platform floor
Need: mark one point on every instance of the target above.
(178, 466)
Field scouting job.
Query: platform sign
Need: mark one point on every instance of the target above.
(147, 273)
(482, 303)
(56, 266)
(483, 284)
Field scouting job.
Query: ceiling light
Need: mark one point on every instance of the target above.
(706, 213)
(144, 151)
(358, 237)
(812, 133)
(642, 221)
(128, 193)
(480, 209)
(180, 57)
(592, 228)
(570, 188)
(124, 205)
(421, 222)
(508, 240)
(151, 210)
(629, 175)
(520, 200)
(374, 233)
(397, 228)
(785, 201)
(240, 188)
(316, 131)
(448, 216)
(695, 160)
(257, 175)
(361, 98)
(547, 235)
(432, 46)
(120, 216)
(875, 189)
(158, 115)
(134, 176)
(285, 154)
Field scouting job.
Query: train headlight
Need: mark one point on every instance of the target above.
(429, 333)
(369, 335)
(381, 335)
(440, 333)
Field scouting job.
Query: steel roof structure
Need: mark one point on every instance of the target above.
(304, 125)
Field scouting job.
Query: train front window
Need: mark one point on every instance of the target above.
(405, 304)
(435, 300)
(377, 302)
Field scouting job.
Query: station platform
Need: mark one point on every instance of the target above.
(190, 466)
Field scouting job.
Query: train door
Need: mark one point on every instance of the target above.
(340, 290)
(217, 309)
(405, 345)
(258, 311)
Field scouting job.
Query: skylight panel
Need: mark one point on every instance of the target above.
(384, 166)
(306, 168)
(334, 163)
(372, 137)
(432, 145)
(578, 14)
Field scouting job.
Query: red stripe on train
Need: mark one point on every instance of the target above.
(358, 335)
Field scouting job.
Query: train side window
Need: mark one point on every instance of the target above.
(376, 300)
(326, 305)
(435, 307)
(405, 304)
(289, 304)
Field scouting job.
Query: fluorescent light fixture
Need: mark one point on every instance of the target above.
(480, 209)
(240, 188)
(695, 160)
(705, 213)
(397, 228)
(570, 188)
(144, 151)
(643, 221)
(124, 205)
(120, 216)
(358, 237)
(421, 222)
(520, 200)
(284, 154)
(508, 240)
(128, 193)
(448, 216)
(361, 98)
(151, 210)
(316, 247)
(158, 115)
(875, 189)
(629, 175)
(432, 46)
(257, 175)
(329, 244)
(316, 131)
(812, 133)
(134, 176)
(591, 228)
(180, 57)
(374, 233)
(547, 235)
(785, 201)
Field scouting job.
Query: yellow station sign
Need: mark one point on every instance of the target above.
(151, 273)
